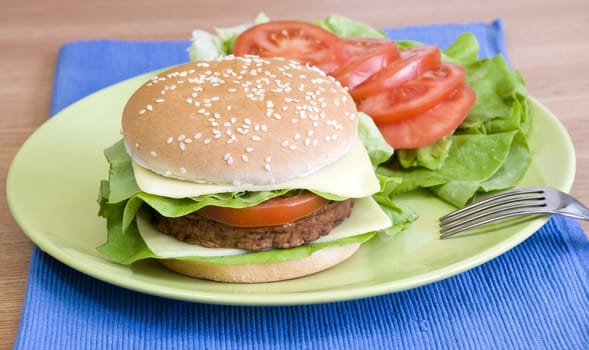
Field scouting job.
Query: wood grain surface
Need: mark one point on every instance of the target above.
(546, 40)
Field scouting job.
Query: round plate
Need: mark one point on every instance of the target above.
(53, 182)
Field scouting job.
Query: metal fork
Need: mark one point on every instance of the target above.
(520, 201)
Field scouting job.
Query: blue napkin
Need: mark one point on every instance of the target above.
(536, 296)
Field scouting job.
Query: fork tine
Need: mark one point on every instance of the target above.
(512, 196)
(448, 232)
(515, 202)
(494, 207)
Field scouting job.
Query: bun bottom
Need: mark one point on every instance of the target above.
(264, 272)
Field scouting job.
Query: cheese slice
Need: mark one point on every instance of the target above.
(352, 176)
(366, 217)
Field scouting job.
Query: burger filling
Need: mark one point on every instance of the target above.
(196, 228)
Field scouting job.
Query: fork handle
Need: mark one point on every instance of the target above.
(575, 209)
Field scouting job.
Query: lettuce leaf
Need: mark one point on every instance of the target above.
(348, 28)
(206, 45)
(475, 163)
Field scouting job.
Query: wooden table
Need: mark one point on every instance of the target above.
(546, 40)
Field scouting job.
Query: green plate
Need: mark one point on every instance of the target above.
(53, 182)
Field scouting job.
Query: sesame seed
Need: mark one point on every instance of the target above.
(142, 111)
(256, 138)
(153, 154)
(249, 149)
(197, 136)
(182, 146)
(183, 170)
(244, 158)
(267, 167)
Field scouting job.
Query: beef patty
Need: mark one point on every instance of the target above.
(197, 229)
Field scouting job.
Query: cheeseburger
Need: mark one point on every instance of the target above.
(240, 169)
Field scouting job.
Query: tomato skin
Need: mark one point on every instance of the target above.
(298, 40)
(415, 96)
(431, 125)
(367, 56)
(413, 62)
(275, 211)
(363, 46)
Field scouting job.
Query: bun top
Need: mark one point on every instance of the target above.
(239, 120)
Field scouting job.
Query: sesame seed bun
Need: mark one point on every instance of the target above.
(239, 120)
(267, 272)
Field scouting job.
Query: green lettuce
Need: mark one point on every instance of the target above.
(348, 28)
(120, 200)
(208, 45)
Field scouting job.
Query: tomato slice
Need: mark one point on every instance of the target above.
(366, 57)
(415, 96)
(301, 41)
(413, 62)
(432, 125)
(275, 211)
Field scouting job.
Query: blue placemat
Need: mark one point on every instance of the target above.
(535, 296)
